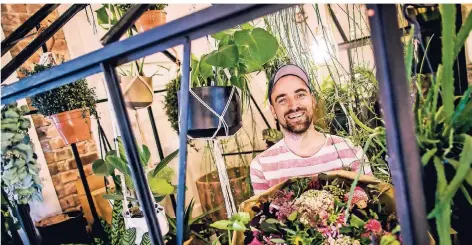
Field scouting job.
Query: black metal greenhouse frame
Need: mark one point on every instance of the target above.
(403, 153)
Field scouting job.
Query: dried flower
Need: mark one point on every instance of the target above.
(313, 202)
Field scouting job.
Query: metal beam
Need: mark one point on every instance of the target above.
(183, 109)
(26, 27)
(146, 201)
(199, 24)
(29, 50)
(405, 164)
(126, 22)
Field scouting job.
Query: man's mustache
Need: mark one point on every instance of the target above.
(298, 109)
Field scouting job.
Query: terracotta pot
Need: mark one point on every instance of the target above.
(97, 188)
(150, 19)
(137, 91)
(211, 196)
(73, 126)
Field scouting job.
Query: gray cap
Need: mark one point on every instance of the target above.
(288, 70)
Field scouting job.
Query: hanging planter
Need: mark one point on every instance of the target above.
(150, 19)
(211, 196)
(202, 122)
(137, 91)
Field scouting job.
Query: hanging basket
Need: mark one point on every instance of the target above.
(150, 19)
(73, 126)
(211, 196)
(137, 91)
(202, 123)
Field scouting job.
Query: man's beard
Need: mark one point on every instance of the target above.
(300, 127)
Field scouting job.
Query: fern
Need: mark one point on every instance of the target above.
(129, 237)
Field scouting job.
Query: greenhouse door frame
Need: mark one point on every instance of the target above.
(390, 70)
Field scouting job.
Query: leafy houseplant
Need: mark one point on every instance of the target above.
(20, 178)
(69, 107)
(197, 230)
(137, 87)
(111, 13)
(443, 132)
(159, 178)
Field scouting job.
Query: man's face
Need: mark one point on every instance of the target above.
(292, 104)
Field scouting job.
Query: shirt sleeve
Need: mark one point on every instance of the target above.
(259, 183)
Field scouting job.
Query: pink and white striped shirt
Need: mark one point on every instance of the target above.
(278, 163)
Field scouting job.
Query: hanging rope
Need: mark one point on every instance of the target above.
(219, 160)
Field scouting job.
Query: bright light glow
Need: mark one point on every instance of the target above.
(321, 50)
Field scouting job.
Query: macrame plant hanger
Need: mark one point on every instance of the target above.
(217, 153)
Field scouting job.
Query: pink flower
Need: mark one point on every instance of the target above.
(359, 198)
(255, 242)
(373, 225)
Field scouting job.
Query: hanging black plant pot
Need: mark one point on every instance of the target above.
(202, 123)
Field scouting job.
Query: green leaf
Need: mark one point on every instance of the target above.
(271, 221)
(277, 240)
(145, 156)
(241, 216)
(160, 186)
(356, 221)
(427, 156)
(220, 35)
(118, 163)
(225, 57)
(465, 161)
(222, 224)
(99, 167)
(204, 68)
(345, 230)
(146, 240)
(166, 173)
(246, 26)
(448, 35)
(262, 45)
(293, 216)
(129, 237)
(121, 149)
(409, 54)
(239, 226)
(164, 162)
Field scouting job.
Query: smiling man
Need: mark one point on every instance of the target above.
(303, 151)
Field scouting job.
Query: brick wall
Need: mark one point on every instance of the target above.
(59, 157)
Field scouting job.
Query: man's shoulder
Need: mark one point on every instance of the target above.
(276, 149)
(336, 139)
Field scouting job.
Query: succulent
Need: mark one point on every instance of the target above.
(19, 169)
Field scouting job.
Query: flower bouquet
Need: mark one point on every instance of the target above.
(319, 210)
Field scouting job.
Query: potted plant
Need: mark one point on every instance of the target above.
(240, 52)
(159, 179)
(19, 171)
(196, 230)
(69, 107)
(136, 86)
